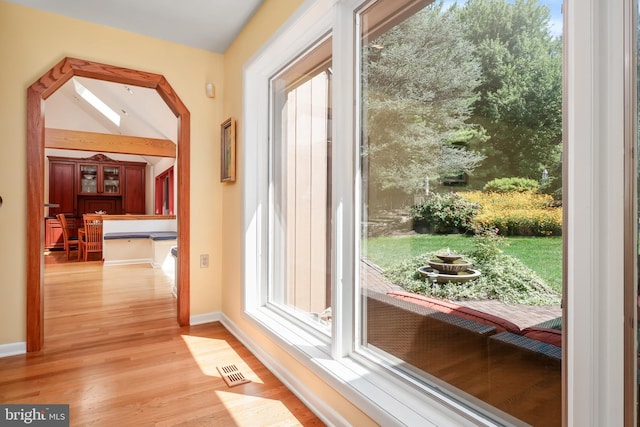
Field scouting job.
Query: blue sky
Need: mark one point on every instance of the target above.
(556, 15)
(555, 23)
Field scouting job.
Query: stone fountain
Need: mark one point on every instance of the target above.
(449, 267)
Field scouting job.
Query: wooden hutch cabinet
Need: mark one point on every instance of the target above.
(97, 183)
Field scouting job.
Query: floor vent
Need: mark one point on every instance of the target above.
(232, 375)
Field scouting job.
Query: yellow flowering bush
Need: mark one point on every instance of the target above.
(517, 214)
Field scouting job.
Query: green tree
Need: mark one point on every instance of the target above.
(520, 93)
(419, 81)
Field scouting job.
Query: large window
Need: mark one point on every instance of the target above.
(461, 143)
(435, 205)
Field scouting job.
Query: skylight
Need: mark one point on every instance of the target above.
(96, 103)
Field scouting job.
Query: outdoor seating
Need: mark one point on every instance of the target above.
(445, 346)
(483, 355)
(548, 332)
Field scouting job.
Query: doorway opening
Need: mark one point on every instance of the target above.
(37, 93)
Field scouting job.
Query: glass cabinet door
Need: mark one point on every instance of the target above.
(100, 179)
(111, 179)
(88, 179)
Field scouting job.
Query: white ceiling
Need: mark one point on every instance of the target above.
(206, 24)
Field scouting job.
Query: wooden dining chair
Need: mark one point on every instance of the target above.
(91, 237)
(69, 241)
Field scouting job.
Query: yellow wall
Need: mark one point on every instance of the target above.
(31, 42)
(265, 22)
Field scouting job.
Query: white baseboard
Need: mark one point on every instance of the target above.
(128, 262)
(12, 349)
(199, 319)
(315, 403)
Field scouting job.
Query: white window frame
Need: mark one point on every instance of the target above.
(594, 206)
(594, 233)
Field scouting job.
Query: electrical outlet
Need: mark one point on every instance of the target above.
(204, 261)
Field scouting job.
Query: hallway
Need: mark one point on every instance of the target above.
(114, 353)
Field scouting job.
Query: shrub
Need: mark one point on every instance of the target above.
(517, 214)
(487, 245)
(502, 278)
(511, 185)
(445, 213)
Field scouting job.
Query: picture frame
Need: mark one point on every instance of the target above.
(228, 150)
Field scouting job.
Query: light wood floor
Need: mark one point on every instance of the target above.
(114, 353)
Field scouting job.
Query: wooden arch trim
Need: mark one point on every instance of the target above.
(37, 93)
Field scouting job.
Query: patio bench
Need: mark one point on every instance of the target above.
(443, 346)
(501, 365)
(525, 378)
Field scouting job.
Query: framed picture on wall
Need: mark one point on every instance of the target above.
(228, 151)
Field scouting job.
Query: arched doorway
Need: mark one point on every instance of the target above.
(39, 91)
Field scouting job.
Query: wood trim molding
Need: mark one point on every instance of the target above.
(37, 93)
(108, 143)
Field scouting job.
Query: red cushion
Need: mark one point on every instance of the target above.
(546, 335)
(501, 324)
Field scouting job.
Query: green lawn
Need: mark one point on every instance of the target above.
(542, 254)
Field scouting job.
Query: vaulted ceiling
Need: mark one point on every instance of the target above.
(134, 105)
(142, 113)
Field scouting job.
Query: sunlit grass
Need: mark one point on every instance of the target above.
(541, 254)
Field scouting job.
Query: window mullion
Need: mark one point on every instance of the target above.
(344, 273)
(595, 233)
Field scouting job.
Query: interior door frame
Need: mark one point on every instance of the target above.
(37, 93)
